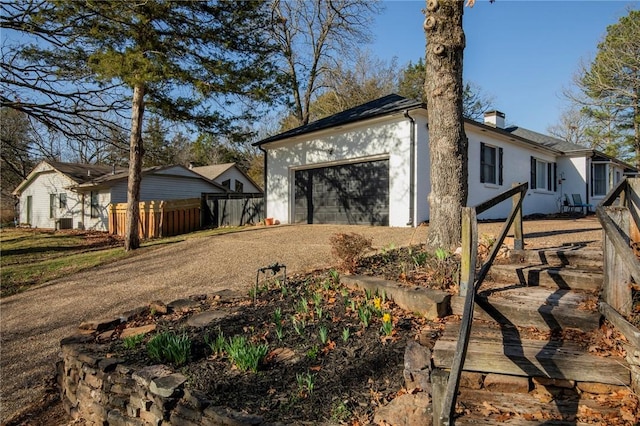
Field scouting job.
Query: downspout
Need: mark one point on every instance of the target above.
(264, 179)
(412, 168)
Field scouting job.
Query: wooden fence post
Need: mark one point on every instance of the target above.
(518, 239)
(616, 290)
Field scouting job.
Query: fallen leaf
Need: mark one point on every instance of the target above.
(488, 409)
(316, 368)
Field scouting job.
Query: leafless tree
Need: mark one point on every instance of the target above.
(310, 33)
(60, 101)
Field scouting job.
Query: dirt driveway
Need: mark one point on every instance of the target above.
(32, 323)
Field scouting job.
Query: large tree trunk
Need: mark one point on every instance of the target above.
(132, 238)
(447, 140)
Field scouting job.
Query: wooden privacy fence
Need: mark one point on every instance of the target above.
(158, 218)
(231, 210)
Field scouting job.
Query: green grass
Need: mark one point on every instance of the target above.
(32, 257)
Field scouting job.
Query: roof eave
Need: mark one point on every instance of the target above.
(509, 135)
(288, 135)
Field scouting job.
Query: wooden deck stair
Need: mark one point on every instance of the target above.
(524, 312)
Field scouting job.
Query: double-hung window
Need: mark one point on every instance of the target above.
(543, 175)
(52, 206)
(95, 205)
(62, 200)
(599, 177)
(490, 164)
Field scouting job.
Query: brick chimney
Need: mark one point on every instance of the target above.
(494, 119)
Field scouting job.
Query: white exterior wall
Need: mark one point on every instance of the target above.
(49, 182)
(234, 175)
(370, 140)
(516, 168)
(573, 173)
(101, 221)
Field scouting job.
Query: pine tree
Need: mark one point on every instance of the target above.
(186, 61)
(611, 84)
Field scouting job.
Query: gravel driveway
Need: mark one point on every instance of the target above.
(32, 323)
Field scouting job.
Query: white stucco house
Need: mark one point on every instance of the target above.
(68, 195)
(370, 165)
(230, 176)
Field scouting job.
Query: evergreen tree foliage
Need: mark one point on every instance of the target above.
(611, 88)
(411, 85)
(186, 61)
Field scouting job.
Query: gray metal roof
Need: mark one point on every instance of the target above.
(382, 106)
(545, 140)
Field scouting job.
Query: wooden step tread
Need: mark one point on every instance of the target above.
(538, 307)
(483, 407)
(572, 256)
(505, 351)
(546, 276)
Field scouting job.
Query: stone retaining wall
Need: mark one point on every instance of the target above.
(102, 390)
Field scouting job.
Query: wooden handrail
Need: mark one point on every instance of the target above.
(470, 284)
(614, 193)
(620, 226)
(623, 250)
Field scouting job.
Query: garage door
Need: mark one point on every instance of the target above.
(355, 194)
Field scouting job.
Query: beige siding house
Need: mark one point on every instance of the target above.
(66, 195)
(230, 176)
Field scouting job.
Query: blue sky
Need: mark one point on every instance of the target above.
(522, 53)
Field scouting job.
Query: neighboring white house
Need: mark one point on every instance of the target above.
(230, 176)
(68, 195)
(370, 165)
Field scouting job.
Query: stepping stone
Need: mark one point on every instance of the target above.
(205, 319)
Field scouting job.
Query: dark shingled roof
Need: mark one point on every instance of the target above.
(545, 140)
(382, 106)
(81, 173)
(394, 103)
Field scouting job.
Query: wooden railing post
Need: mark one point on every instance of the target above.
(469, 250)
(632, 201)
(467, 280)
(616, 290)
(518, 239)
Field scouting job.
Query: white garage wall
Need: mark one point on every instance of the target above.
(364, 141)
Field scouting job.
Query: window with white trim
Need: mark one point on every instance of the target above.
(599, 179)
(62, 200)
(95, 205)
(543, 175)
(52, 206)
(490, 164)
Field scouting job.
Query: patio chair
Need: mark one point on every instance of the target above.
(576, 203)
